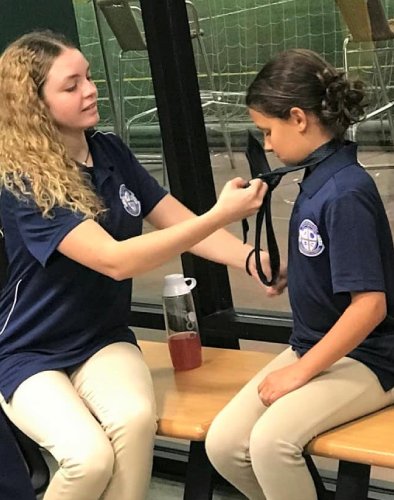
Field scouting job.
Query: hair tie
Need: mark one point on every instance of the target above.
(247, 262)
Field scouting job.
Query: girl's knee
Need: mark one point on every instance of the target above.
(93, 462)
(138, 420)
(269, 445)
(220, 443)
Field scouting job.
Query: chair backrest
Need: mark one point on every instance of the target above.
(120, 18)
(194, 20)
(37, 467)
(381, 29)
(365, 19)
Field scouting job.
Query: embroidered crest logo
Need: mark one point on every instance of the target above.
(310, 242)
(129, 201)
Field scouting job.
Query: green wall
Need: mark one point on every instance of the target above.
(21, 16)
(239, 37)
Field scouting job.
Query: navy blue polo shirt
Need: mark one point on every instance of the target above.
(340, 242)
(54, 312)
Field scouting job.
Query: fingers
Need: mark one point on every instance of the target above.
(256, 185)
(239, 199)
(239, 182)
(273, 291)
(279, 287)
(264, 397)
(267, 392)
(266, 402)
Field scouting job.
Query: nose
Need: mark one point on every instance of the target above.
(267, 145)
(89, 88)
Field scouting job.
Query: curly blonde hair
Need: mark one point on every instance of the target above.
(33, 158)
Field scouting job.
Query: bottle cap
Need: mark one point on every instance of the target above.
(176, 284)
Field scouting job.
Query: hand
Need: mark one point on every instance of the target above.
(279, 287)
(237, 202)
(281, 283)
(281, 382)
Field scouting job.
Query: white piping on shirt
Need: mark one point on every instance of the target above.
(102, 133)
(12, 308)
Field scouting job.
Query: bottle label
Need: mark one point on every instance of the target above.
(190, 320)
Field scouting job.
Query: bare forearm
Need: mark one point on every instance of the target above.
(221, 246)
(138, 255)
(179, 230)
(224, 248)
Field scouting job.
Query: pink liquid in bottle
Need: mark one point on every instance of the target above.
(185, 350)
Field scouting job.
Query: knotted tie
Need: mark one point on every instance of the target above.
(260, 169)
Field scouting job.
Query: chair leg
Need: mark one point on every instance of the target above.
(199, 475)
(219, 111)
(107, 72)
(122, 113)
(352, 130)
(383, 92)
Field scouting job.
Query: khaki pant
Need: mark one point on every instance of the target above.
(259, 449)
(99, 423)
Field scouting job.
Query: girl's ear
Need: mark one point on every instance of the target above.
(299, 118)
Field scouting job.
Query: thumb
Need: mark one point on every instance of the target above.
(239, 182)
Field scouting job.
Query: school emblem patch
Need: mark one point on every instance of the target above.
(310, 242)
(129, 201)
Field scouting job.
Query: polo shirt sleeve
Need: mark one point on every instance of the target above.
(42, 235)
(354, 246)
(150, 191)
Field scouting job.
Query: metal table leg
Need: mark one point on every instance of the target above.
(353, 481)
(199, 475)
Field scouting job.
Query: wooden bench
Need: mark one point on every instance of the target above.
(188, 401)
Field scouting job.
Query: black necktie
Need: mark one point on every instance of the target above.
(260, 169)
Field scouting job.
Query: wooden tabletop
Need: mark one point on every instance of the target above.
(188, 400)
(368, 440)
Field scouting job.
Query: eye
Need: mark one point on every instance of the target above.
(71, 89)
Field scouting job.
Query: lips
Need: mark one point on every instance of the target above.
(90, 107)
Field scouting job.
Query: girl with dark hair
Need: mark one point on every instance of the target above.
(72, 204)
(340, 278)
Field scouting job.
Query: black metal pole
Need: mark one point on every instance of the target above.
(184, 138)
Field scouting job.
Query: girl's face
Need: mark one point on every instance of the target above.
(284, 137)
(69, 92)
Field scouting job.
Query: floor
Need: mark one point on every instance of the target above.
(164, 489)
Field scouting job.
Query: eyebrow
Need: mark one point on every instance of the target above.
(76, 75)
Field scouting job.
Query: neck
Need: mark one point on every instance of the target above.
(323, 139)
(316, 137)
(76, 145)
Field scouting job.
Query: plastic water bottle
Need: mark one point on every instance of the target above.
(181, 322)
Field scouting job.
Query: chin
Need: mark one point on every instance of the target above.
(93, 121)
